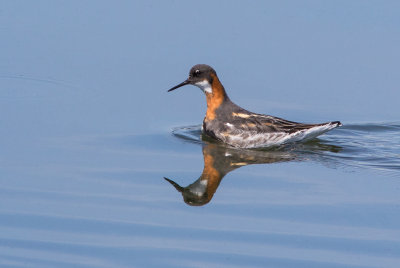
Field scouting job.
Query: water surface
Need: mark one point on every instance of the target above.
(88, 133)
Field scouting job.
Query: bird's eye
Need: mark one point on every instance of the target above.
(196, 73)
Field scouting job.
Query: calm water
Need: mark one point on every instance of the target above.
(100, 167)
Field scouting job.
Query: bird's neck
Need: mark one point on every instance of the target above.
(215, 98)
(211, 176)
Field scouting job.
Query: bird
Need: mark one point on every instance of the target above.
(237, 127)
(218, 162)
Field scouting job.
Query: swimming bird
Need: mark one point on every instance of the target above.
(237, 127)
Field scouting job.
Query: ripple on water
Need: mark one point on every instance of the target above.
(370, 145)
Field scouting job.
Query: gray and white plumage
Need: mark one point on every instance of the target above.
(237, 127)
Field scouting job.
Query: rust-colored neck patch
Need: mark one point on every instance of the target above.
(215, 98)
(211, 175)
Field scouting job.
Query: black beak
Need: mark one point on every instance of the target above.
(177, 186)
(180, 85)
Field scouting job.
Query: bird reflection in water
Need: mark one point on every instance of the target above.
(220, 160)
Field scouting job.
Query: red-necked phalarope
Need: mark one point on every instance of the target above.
(237, 127)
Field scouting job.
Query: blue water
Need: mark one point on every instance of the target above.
(372, 146)
(88, 133)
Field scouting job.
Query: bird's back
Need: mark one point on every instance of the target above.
(241, 128)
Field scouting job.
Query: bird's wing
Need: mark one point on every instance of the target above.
(260, 123)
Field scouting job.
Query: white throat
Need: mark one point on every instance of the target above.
(205, 86)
